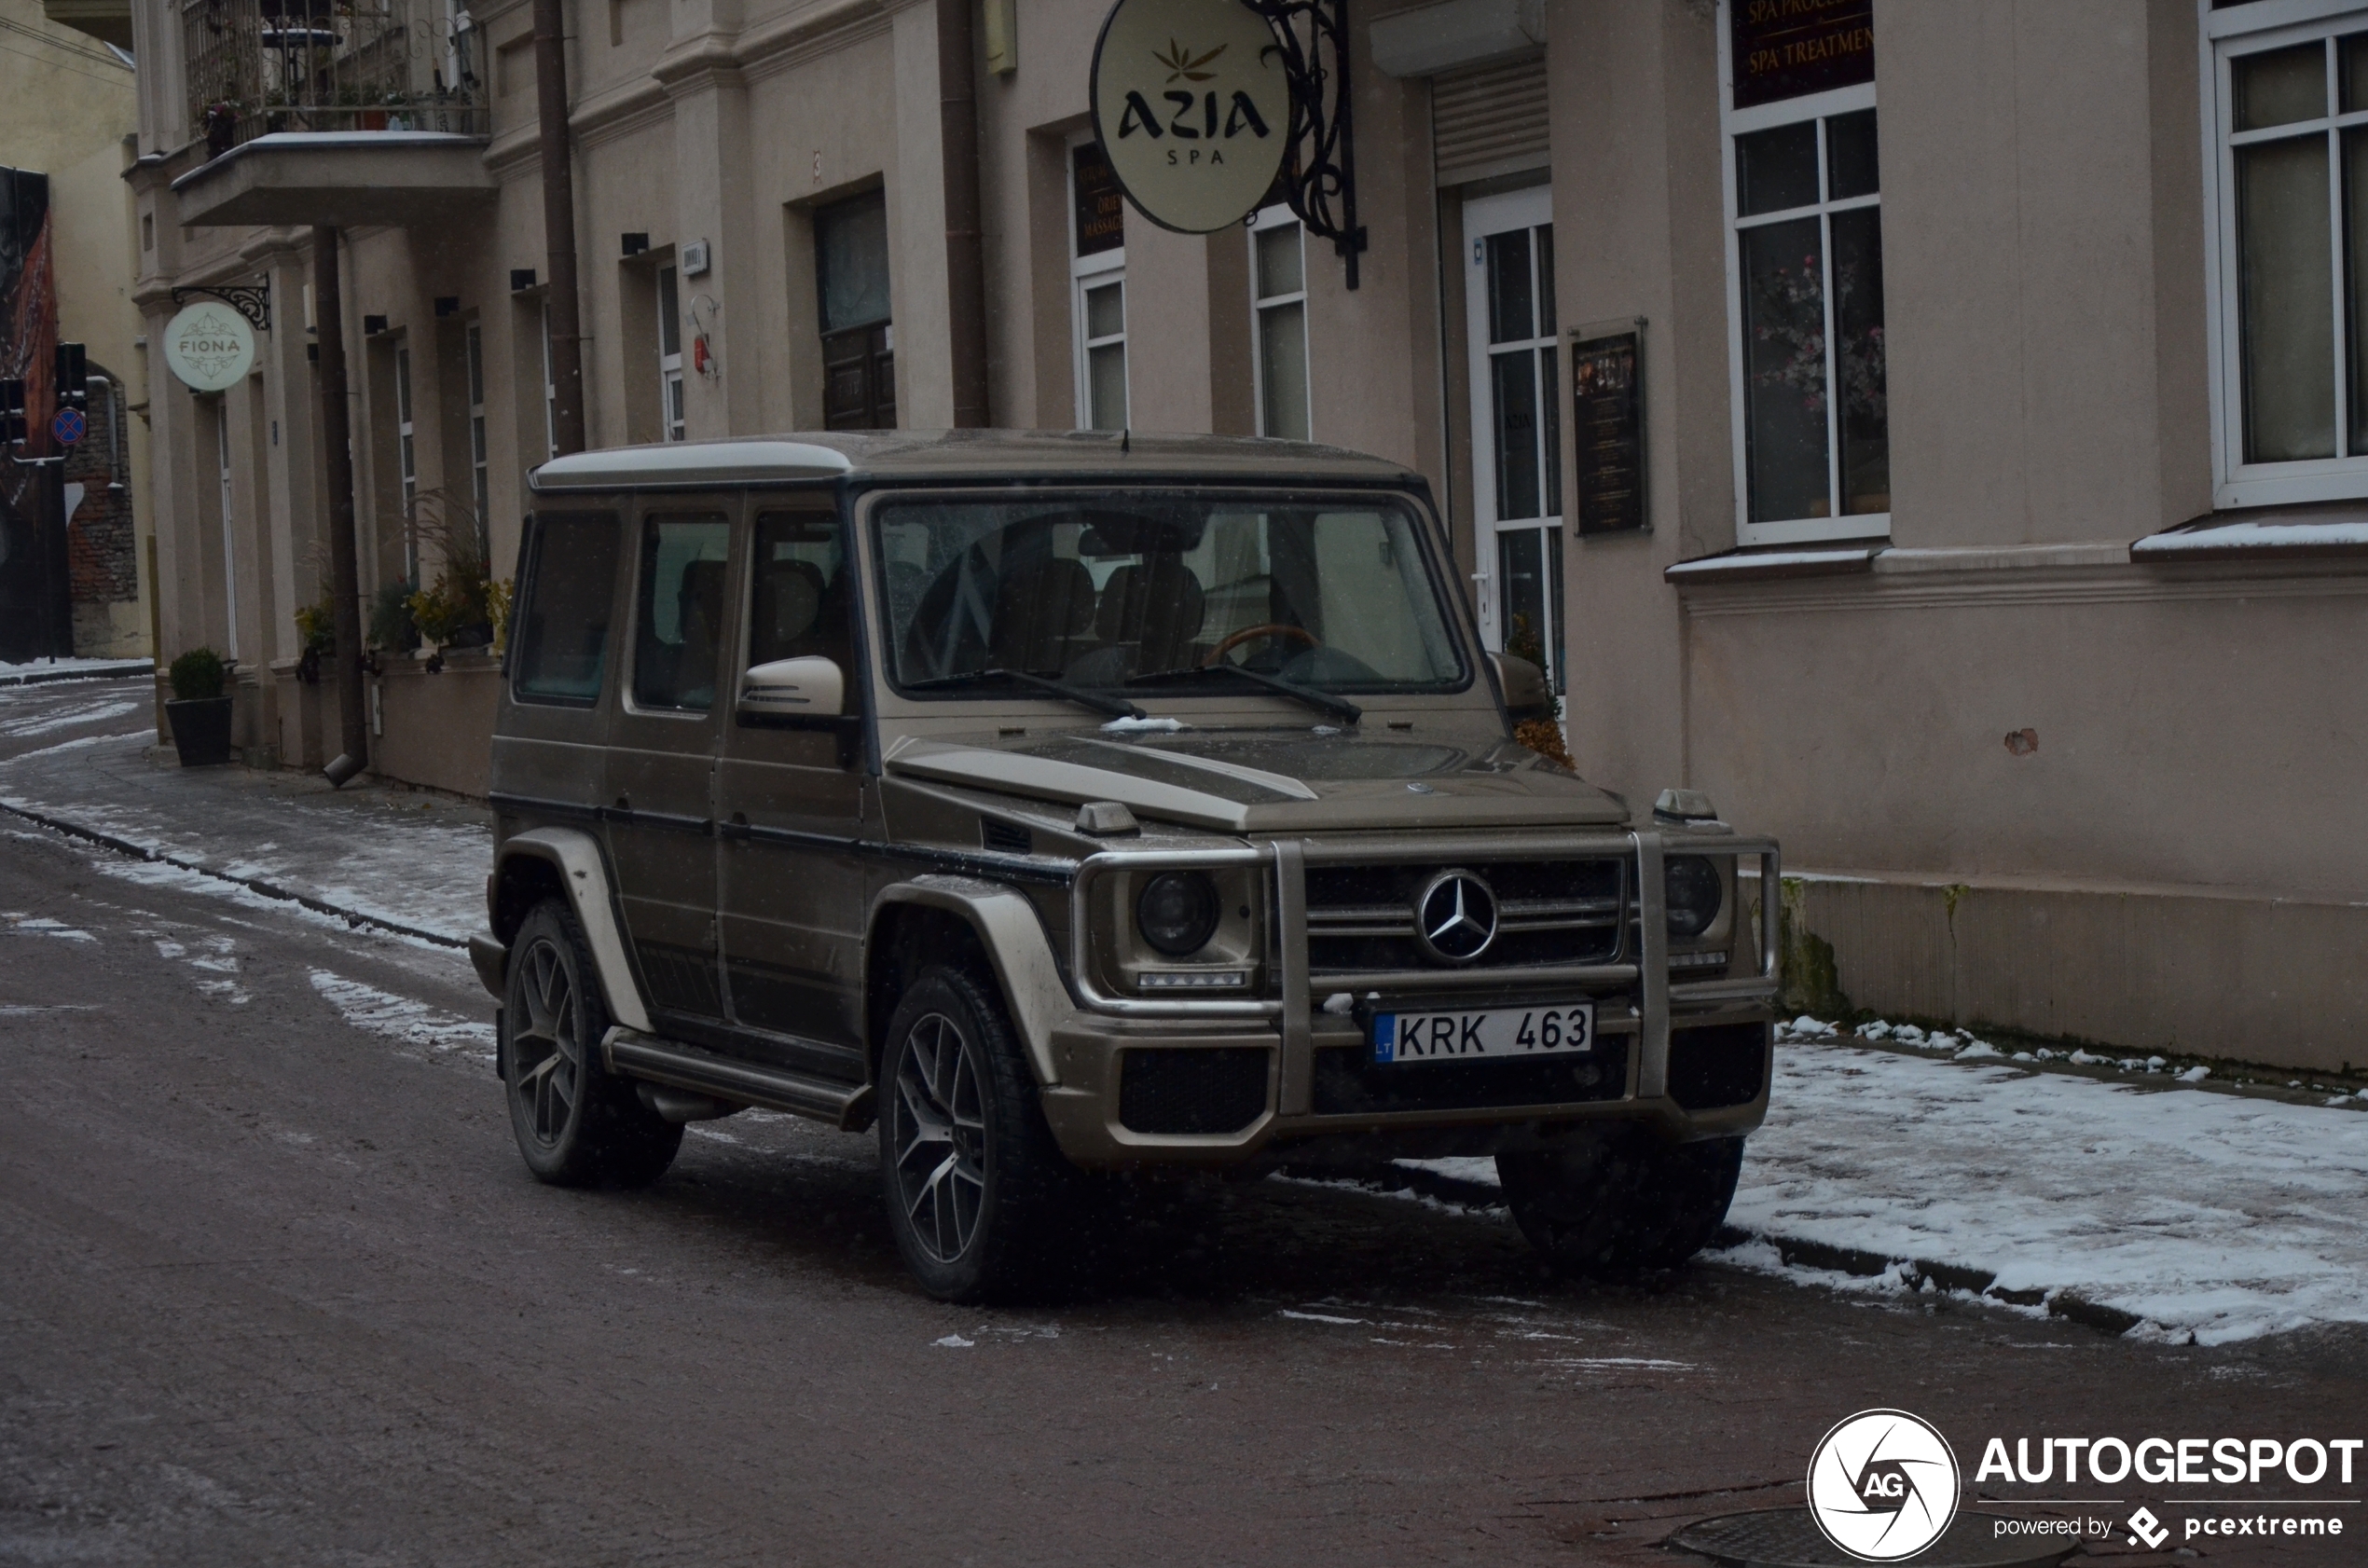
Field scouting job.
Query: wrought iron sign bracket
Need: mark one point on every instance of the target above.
(1319, 170)
(251, 300)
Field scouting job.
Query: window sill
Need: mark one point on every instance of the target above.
(1763, 563)
(2262, 533)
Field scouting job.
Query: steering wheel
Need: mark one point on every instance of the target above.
(1271, 628)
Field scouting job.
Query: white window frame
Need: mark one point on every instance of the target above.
(1093, 271)
(1268, 219)
(406, 457)
(480, 461)
(229, 526)
(550, 389)
(1529, 208)
(2223, 35)
(1734, 122)
(672, 420)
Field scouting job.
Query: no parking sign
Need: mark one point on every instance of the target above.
(70, 426)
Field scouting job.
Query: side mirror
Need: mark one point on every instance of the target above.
(1524, 687)
(810, 687)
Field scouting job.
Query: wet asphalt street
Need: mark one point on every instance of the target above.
(275, 1288)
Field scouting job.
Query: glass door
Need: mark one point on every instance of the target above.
(1517, 428)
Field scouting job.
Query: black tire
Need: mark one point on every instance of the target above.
(983, 1204)
(577, 1123)
(1621, 1197)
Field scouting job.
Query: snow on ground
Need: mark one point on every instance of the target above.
(49, 669)
(402, 1019)
(2216, 1216)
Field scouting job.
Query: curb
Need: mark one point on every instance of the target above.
(102, 672)
(251, 884)
(1940, 1276)
(1916, 1273)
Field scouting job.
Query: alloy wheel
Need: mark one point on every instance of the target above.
(940, 1136)
(546, 1053)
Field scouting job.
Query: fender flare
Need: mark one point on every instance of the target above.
(1012, 934)
(575, 855)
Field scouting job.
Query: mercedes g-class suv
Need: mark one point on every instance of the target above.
(1069, 804)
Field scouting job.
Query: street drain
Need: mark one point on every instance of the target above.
(1789, 1539)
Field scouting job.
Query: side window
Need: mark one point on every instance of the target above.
(800, 590)
(679, 612)
(563, 626)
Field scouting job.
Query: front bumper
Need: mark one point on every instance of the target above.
(1311, 1058)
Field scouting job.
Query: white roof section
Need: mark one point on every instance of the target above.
(691, 462)
(995, 455)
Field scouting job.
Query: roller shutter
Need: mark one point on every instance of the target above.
(1489, 120)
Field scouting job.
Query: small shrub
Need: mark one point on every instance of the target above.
(198, 675)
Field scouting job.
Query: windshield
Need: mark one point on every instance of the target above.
(1102, 590)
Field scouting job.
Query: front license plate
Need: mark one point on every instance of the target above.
(1495, 1033)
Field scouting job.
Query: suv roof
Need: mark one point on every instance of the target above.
(946, 454)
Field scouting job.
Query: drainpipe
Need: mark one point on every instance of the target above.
(965, 249)
(559, 224)
(345, 571)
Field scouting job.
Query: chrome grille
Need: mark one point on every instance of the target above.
(1360, 918)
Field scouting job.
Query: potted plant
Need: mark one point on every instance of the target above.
(200, 710)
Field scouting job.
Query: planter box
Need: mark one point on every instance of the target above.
(201, 730)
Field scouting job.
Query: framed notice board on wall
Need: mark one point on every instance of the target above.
(1608, 398)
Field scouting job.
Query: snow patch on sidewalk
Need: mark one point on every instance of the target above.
(2220, 1216)
(2204, 1216)
(399, 1018)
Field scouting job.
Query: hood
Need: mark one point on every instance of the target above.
(1263, 782)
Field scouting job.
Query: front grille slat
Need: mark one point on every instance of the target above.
(1360, 918)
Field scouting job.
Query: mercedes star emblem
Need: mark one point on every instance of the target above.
(1455, 917)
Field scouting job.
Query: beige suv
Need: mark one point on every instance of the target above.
(1069, 805)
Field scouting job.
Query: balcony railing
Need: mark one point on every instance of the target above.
(259, 66)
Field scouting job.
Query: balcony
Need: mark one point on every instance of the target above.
(337, 112)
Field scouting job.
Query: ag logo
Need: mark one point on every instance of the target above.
(1882, 1485)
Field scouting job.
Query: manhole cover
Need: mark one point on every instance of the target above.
(1789, 1539)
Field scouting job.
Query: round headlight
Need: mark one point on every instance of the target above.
(1177, 912)
(1695, 892)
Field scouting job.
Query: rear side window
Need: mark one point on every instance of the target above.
(563, 627)
(681, 613)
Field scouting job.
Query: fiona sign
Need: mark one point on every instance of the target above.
(1192, 106)
(210, 346)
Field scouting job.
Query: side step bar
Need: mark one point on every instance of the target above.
(846, 1106)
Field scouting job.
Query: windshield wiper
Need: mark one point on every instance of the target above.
(1117, 707)
(1323, 702)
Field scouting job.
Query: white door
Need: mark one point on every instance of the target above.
(1517, 444)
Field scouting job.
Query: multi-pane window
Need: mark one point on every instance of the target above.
(1517, 435)
(2291, 189)
(1097, 288)
(407, 460)
(1804, 271)
(480, 471)
(1807, 270)
(859, 340)
(1278, 284)
(670, 353)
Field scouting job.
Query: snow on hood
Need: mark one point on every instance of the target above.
(1266, 781)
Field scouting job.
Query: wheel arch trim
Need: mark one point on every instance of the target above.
(575, 855)
(1009, 928)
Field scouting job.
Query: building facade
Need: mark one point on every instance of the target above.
(72, 534)
(2039, 668)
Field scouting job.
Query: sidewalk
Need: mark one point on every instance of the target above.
(400, 861)
(34, 672)
(2172, 1208)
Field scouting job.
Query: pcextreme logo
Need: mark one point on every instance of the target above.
(1883, 1485)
